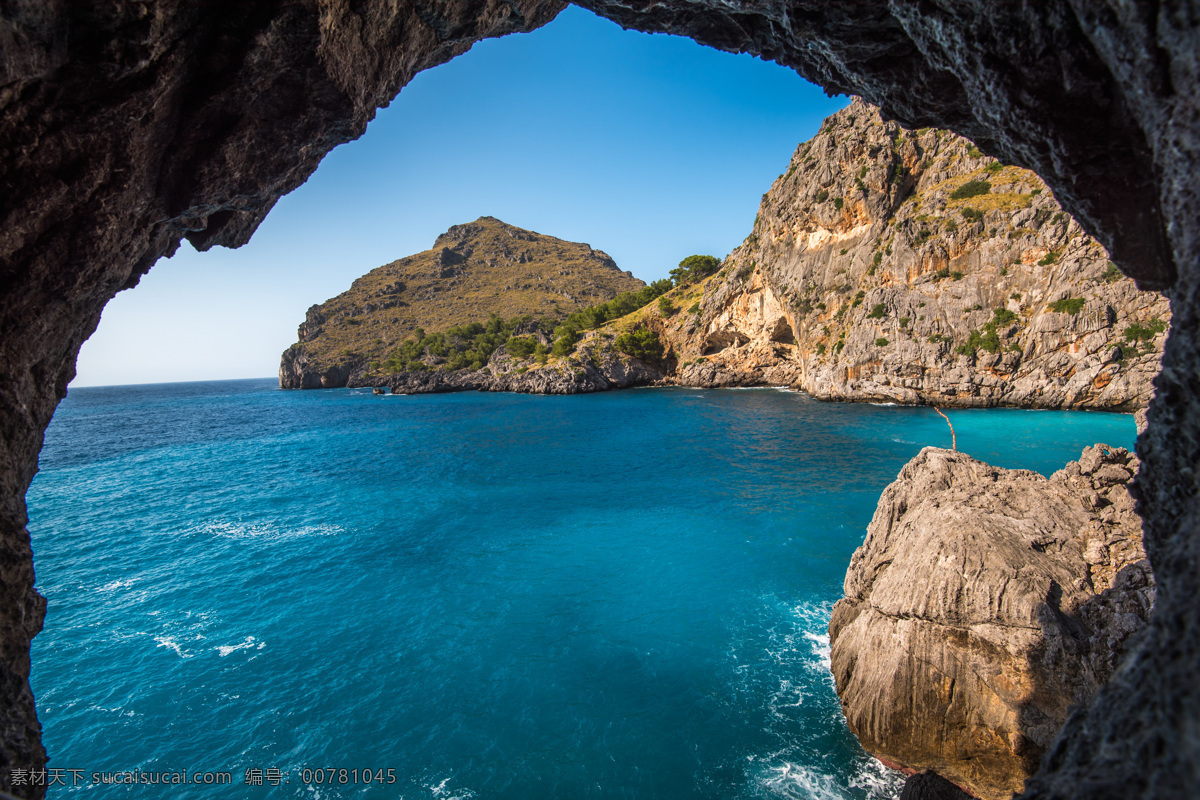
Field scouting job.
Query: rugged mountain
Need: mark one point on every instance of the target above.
(473, 271)
(905, 265)
(983, 606)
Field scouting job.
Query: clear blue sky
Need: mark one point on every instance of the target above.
(650, 148)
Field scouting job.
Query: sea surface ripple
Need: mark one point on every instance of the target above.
(622, 595)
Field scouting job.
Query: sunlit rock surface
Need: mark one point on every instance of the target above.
(984, 604)
(872, 273)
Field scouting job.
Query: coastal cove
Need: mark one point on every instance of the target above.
(622, 594)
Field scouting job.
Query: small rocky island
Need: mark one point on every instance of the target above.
(474, 272)
(983, 606)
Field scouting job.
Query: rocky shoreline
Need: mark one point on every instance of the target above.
(610, 371)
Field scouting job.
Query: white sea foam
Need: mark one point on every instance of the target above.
(267, 532)
(790, 781)
(440, 791)
(170, 643)
(115, 585)
(249, 643)
(820, 649)
(798, 782)
(883, 404)
(879, 782)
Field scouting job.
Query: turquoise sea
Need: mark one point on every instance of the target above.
(621, 595)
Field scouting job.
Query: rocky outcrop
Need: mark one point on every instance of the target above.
(126, 126)
(873, 273)
(473, 271)
(579, 375)
(982, 607)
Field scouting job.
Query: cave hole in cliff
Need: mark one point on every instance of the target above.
(782, 332)
(721, 340)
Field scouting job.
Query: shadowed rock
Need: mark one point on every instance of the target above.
(931, 786)
(126, 126)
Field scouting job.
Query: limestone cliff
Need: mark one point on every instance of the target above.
(902, 265)
(474, 270)
(983, 605)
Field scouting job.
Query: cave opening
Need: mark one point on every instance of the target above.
(1107, 122)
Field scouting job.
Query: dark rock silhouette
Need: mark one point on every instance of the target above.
(126, 127)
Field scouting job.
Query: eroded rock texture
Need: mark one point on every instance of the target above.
(906, 266)
(984, 604)
(125, 126)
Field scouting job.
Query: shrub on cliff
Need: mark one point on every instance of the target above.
(1068, 305)
(521, 346)
(987, 339)
(1138, 332)
(1002, 316)
(642, 344)
(564, 345)
(971, 189)
(665, 306)
(694, 268)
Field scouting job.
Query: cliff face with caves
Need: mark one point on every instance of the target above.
(894, 265)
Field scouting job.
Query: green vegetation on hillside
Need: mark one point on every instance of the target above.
(460, 347)
(641, 343)
(691, 269)
(694, 268)
(989, 337)
(624, 303)
(1068, 305)
(971, 189)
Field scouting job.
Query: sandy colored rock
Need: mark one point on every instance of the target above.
(982, 607)
(867, 277)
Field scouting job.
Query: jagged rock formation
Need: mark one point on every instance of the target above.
(866, 278)
(473, 270)
(127, 126)
(984, 604)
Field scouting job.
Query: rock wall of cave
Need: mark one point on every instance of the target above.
(125, 127)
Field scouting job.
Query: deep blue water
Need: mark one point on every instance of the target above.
(497, 596)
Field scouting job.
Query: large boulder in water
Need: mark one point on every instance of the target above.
(983, 605)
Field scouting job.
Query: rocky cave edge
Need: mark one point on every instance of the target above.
(125, 127)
